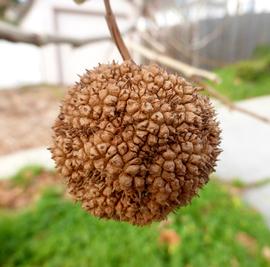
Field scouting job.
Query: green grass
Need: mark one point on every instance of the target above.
(246, 79)
(237, 89)
(25, 176)
(56, 232)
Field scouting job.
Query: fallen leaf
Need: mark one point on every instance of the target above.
(247, 241)
(234, 262)
(266, 253)
(169, 238)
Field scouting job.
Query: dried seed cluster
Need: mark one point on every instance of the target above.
(134, 142)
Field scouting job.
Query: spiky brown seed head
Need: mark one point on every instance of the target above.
(134, 143)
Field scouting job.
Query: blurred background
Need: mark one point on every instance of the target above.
(224, 45)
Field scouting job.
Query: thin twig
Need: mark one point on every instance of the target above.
(224, 100)
(152, 42)
(243, 186)
(186, 69)
(115, 33)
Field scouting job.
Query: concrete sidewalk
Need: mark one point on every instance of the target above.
(246, 151)
(245, 142)
(10, 164)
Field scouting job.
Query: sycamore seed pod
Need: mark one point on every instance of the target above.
(134, 142)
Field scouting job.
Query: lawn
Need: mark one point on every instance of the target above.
(217, 229)
(246, 79)
(237, 89)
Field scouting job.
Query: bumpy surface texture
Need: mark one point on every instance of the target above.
(134, 143)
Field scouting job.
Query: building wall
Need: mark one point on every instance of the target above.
(25, 64)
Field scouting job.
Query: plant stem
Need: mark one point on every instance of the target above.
(115, 33)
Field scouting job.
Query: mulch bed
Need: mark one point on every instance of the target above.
(26, 117)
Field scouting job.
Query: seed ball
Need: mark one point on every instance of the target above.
(134, 143)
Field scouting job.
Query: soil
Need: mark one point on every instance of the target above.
(26, 117)
(15, 195)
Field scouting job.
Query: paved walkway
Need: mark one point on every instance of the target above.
(246, 142)
(246, 152)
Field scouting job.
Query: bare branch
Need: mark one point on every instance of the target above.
(186, 69)
(13, 34)
(152, 42)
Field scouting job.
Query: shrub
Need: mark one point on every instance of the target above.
(262, 51)
(251, 70)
